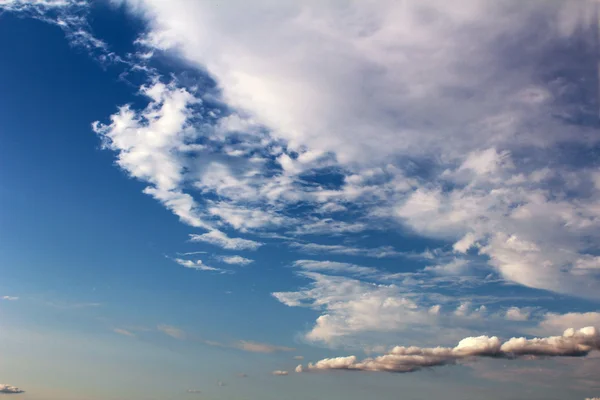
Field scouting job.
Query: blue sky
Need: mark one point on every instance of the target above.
(259, 200)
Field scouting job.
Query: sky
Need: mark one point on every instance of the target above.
(299, 199)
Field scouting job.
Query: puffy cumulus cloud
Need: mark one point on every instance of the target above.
(350, 307)
(255, 347)
(8, 389)
(219, 238)
(518, 314)
(150, 145)
(280, 373)
(573, 343)
(551, 322)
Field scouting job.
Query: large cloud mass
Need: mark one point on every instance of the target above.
(573, 343)
(447, 118)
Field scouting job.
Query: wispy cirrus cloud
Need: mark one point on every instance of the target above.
(316, 248)
(218, 238)
(172, 331)
(255, 347)
(334, 267)
(197, 264)
(124, 332)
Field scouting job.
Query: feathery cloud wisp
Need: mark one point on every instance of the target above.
(219, 238)
(255, 347)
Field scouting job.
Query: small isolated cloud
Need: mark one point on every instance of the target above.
(235, 260)
(464, 244)
(454, 267)
(573, 343)
(8, 389)
(280, 373)
(517, 314)
(9, 298)
(376, 252)
(218, 238)
(193, 391)
(298, 357)
(334, 266)
(221, 383)
(123, 332)
(255, 347)
(198, 264)
(172, 331)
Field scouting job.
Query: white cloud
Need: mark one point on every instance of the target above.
(552, 322)
(243, 218)
(350, 307)
(9, 298)
(172, 331)
(280, 373)
(482, 189)
(484, 162)
(419, 57)
(328, 226)
(123, 332)
(455, 267)
(464, 244)
(410, 359)
(417, 108)
(315, 248)
(518, 314)
(255, 347)
(198, 264)
(147, 144)
(193, 391)
(335, 267)
(235, 260)
(8, 389)
(219, 238)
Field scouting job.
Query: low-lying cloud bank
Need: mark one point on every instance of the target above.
(573, 343)
(7, 389)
